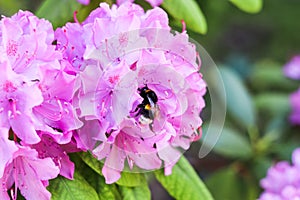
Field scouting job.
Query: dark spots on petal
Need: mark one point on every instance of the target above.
(54, 42)
(133, 66)
(12, 48)
(35, 80)
(154, 146)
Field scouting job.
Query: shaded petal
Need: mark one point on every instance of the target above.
(296, 157)
(23, 127)
(8, 147)
(114, 164)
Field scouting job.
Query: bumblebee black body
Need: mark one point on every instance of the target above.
(148, 95)
(147, 109)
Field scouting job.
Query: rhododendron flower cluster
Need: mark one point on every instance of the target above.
(292, 70)
(153, 3)
(34, 108)
(136, 50)
(283, 180)
(119, 84)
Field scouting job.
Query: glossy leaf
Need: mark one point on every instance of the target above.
(131, 179)
(58, 12)
(92, 162)
(104, 191)
(189, 11)
(77, 189)
(238, 99)
(8, 8)
(226, 184)
(250, 6)
(135, 193)
(183, 183)
(232, 144)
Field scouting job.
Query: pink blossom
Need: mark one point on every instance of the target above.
(37, 89)
(36, 73)
(84, 2)
(282, 181)
(29, 174)
(48, 147)
(57, 111)
(18, 97)
(295, 107)
(26, 42)
(70, 42)
(128, 58)
(153, 3)
(292, 68)
(8, 148)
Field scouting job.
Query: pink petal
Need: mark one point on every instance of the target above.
(114, 164)
(8, 147)
(84, 2)
(154, 3)
(296, 157)
(24, 128)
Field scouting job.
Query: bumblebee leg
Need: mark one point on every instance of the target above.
(151, 127)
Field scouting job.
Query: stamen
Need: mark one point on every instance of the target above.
(75, 17)
(183, 25)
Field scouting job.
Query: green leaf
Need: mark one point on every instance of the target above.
(104, 191)
(135, 193)
(127, 178)
(250, 6)
(8, 8)
(260, 166)
(92, 162)
(231, 144)
(226, 185)
(238, 99)
(77, 189)
(268, 75)
(189, 11)
(132, 179)
(58, 12)
(183, 183)
(273, 103)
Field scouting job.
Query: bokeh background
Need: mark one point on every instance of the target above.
(250, 50)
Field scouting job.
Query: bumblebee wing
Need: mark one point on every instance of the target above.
(152, 104)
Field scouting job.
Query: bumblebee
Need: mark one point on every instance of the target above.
(148, 109)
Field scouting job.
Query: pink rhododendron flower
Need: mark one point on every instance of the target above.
(283, 180)
(48, 147)
(37, 117)
(25, 42)
(84, 2)
(292, 68)
(153, 3)
(135, 51)
(29, 174)
(33, 62)
(18, 96)
(295, 107)
(71, 44)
